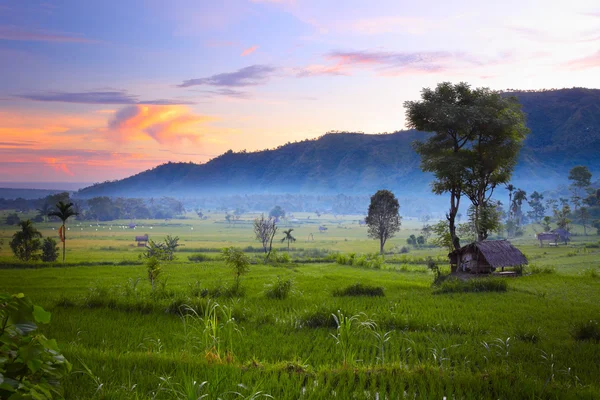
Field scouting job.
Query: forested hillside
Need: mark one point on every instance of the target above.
(565, 131)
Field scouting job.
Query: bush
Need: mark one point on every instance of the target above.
(320, 318)
(370, 260)
(31, 366)
(279, 289)
(49, 250)
(12, 219)
(541, 270)
(589, 330)
(199, 258)
(455, 285)
(359, 289)
(238, 261)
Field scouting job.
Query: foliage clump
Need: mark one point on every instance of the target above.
(238, 261)
(26, 243)
(31, 365)
(164, 251)
(588, 330)
(359, 289)
(49, 250)
(280, 289)
(476, 285)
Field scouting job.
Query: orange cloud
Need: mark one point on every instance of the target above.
(164, 124)
(57, 166)
(249, 51)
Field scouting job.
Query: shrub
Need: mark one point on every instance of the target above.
(359, 289)
(49, 250)
(455, 285)
(588, 330)
(277, 257)
(153, 268)
(591, 272)
(404, 250)
(319, 318)
(31, 366)
(541, 270)
(199, 258)
(238, 261)
(280, 289)
(12, 219)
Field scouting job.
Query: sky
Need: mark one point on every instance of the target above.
(99, 90)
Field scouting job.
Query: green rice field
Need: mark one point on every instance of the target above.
(300, 327)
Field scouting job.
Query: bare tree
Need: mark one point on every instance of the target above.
(265, 229)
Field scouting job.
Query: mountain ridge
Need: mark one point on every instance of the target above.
(565, 131)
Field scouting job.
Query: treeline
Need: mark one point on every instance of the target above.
(104, 208)
(97, 208)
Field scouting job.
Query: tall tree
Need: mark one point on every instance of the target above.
(44, 210)
(537, 206)
(265, 229)
(511, 188)
(63, 212)
(518, 199)
(288, 236)
(26, 243)
(383, 217)
(580, 177)
(477, 135)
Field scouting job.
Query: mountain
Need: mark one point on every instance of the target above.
(565, 131)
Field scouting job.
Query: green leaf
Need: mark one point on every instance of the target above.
(35, 364)
(42, 316)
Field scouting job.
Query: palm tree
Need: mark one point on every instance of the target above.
(63, 212)
(510, 189)
(288, 236)
(520, 197)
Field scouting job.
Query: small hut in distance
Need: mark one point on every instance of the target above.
(142, 241)
(486, 256)
(554, 237)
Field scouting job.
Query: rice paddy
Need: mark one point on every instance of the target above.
(309, 326)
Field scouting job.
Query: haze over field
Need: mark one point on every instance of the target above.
(100, 91)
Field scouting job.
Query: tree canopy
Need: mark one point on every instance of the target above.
(383, 217)
(474, 148)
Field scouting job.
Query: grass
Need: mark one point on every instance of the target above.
(537, 338)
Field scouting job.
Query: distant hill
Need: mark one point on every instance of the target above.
(27, 194)
(565, 131)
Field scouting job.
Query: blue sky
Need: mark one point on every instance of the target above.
(97, 90)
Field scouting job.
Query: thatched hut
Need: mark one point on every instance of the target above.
(142, 241)
(563, 234)
(486, 256)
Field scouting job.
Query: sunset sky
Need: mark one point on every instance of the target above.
(92, 90)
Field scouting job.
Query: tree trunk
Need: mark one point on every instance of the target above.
(64, 241)
(451, 216)
(381, 244)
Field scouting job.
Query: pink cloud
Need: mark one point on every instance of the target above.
(57, 166)
(164, 124)
(249, 51)
(588, 62)
(387, 63)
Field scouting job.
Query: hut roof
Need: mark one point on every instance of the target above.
(498, 253)
(563, 233)
(141, 238)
